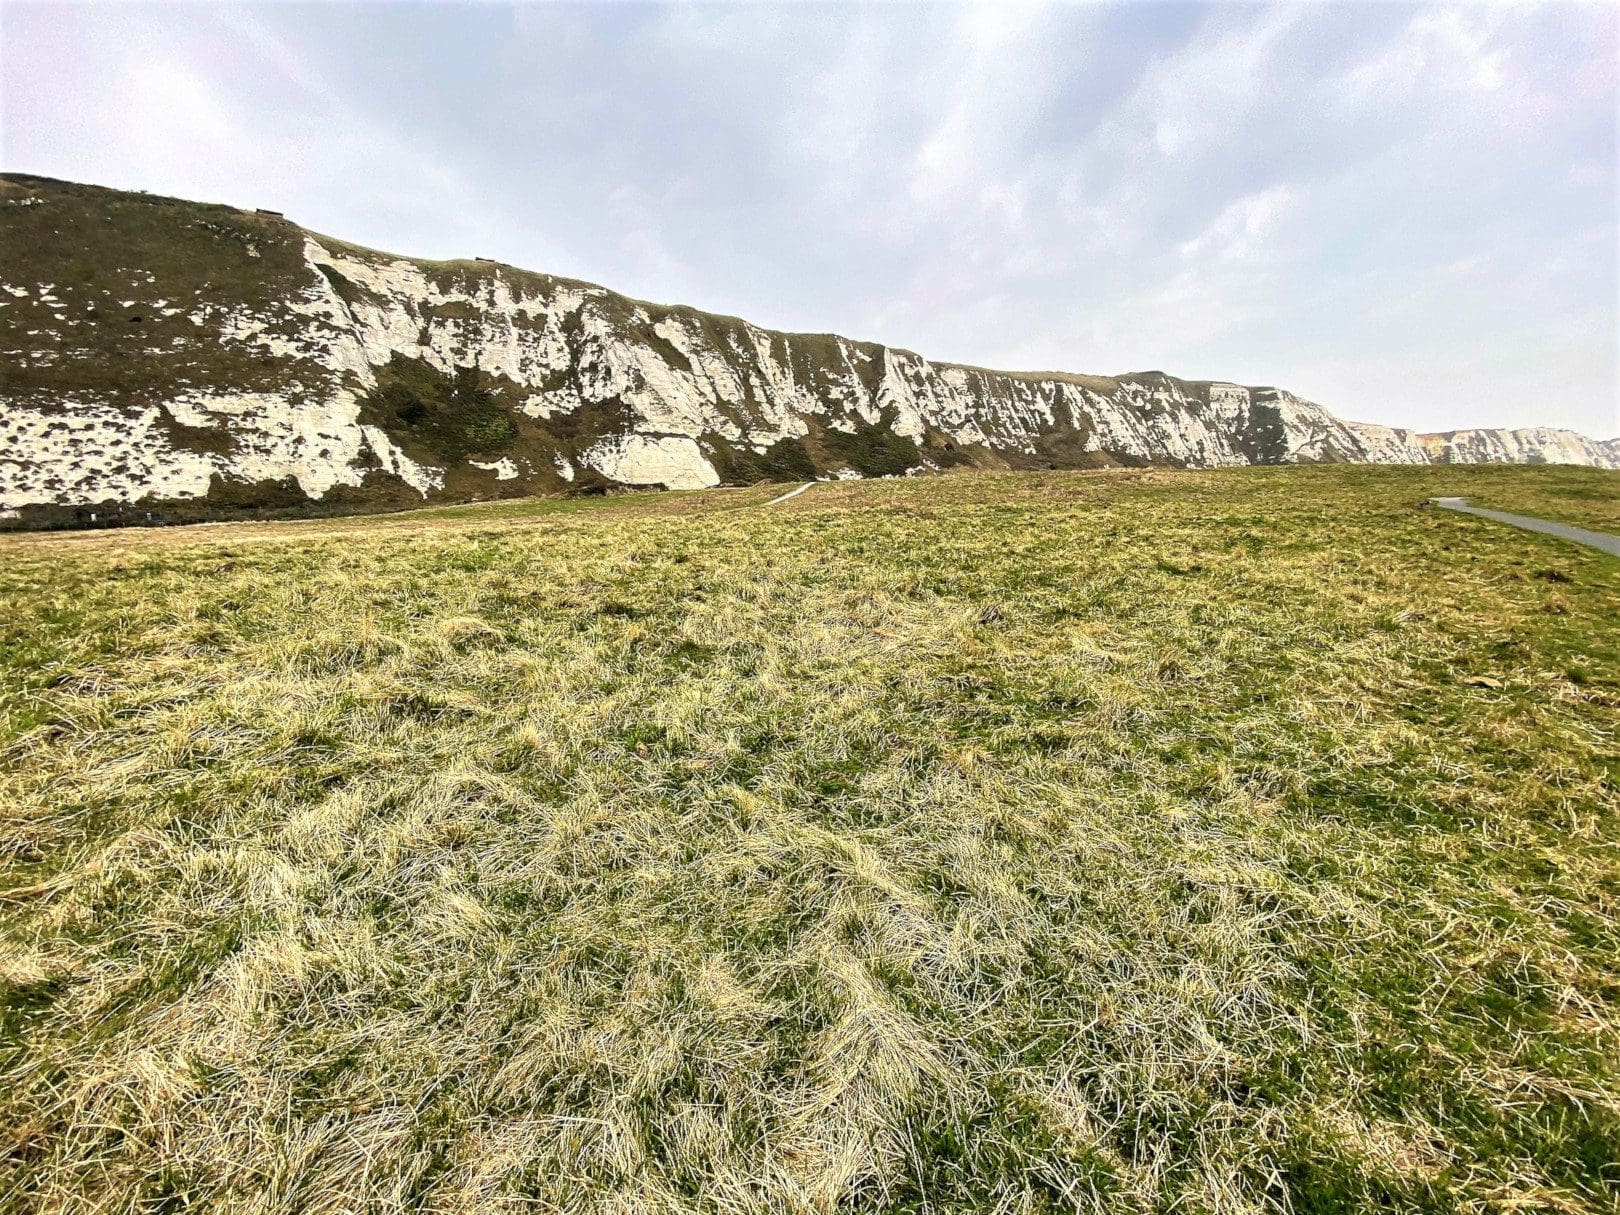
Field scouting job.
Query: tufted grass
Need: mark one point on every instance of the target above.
(1585, 497)
(1141, 842)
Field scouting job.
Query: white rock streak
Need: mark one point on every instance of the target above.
(667, 460)
(505, 469)
(93, 453)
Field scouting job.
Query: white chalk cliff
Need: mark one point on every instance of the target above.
(206, 348)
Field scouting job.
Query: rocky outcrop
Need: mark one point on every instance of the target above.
(161, 351)
(1535, 445)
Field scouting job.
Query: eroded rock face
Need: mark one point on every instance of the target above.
(1536, 445)
(667, 460)
(238, 350)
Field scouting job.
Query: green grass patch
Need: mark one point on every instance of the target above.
(1137, 841)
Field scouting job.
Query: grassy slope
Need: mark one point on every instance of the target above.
(1134, 841)
(1584, 497)
(118, 262)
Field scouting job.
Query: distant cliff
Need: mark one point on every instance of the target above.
(161, 353)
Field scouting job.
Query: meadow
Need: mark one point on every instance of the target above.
(1138, 841)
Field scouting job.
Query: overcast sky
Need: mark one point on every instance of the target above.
(1405, 213)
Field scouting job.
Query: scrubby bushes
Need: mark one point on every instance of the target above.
(874, 450)
(453, 415)
(784, 460)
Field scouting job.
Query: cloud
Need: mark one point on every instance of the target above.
(1238, 233)
(1186, 101)
(1284, 194)
(220, 107)
(1447, 49)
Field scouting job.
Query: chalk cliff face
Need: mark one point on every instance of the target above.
(160, 352)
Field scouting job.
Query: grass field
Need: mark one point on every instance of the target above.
(1587, 499)
(1140, 842)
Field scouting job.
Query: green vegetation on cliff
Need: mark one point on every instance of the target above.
(453, 416)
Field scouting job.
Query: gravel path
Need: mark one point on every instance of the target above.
(1598, 540)
(792, 493)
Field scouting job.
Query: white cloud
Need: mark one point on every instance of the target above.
(1449, 49)
(1407, 214)
(1185, 101)
(1239, 232)
(166, 109)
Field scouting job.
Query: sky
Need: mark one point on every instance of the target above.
(1404, 213)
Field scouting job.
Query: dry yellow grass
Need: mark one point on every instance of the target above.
(1132, 842)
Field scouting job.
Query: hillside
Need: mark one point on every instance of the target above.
(1127, 841)
(171, 360)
